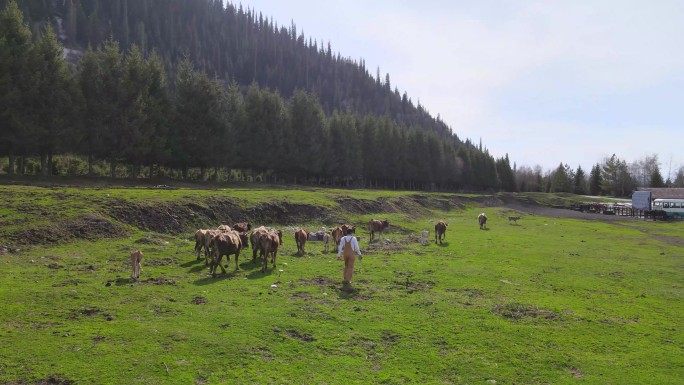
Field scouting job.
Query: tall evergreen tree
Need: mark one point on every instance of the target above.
(158, 108)
(610, 175)
(506, 175)
(579, 183)
(15, 83)
(656, 178)
(144, 112)
(267, 142)
(111, 103)
(307, 120)
(200, 124)
(52, 97)
(595, 180)
(560, 180)
(237, 121)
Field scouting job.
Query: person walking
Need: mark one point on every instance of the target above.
(349, 246)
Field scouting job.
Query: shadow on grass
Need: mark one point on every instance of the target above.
(121, 281)
(192, 262)
(197, 268)
(215, 279)
(347, 292)
(270, 272)
(195, 265)
(443, 244)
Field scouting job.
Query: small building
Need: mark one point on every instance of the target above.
(664, 192)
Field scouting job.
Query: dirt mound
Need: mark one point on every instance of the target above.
(175, 218)
(360, 206)
(285, 213)
(415, 205)
(170, 218)
(89, 227)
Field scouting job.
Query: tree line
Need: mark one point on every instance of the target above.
(120, 107)
(612, 177)
(193, 89)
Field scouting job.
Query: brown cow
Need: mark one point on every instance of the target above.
(254, 240)
(208, 236)
(440, 230)
(199, 242)
(280, 237)
(223, 228)
(337, 235)
(301, 236)
(244, 238)
(276, 239)
(225, 243)
(378, 226)
(268, 246)
(482, 220)
(345, 227)
(242, 227)
(136, 263)
(257, 234)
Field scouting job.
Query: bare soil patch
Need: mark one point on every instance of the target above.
(165, 261)
(158, 281)
(516, 311)
(319, 281)
(300, 336)
(54, 379)
(89, 227)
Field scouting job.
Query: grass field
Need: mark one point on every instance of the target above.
(548, 300)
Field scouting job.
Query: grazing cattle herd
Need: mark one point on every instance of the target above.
(226, 241)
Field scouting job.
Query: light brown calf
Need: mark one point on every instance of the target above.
(337, 235)
(136, 263)
(326, 242)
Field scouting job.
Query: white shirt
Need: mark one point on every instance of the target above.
(354, 244)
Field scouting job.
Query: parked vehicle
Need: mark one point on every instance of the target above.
(673, 208)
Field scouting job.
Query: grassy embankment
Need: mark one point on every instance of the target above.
(548, 300)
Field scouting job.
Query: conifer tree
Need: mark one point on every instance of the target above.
(52, 98)
(656, 178)
(506, 175)
(306, 118)
(200, 124)
(15, 83)
(579, 182)
(595, 180)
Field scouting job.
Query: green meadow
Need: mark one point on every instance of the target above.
(546, 300)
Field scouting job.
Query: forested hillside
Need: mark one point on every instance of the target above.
(187, 84)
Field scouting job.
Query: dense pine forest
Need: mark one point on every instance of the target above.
(199, 90)
(196, 89)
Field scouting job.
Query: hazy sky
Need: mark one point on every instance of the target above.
(543, 81)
